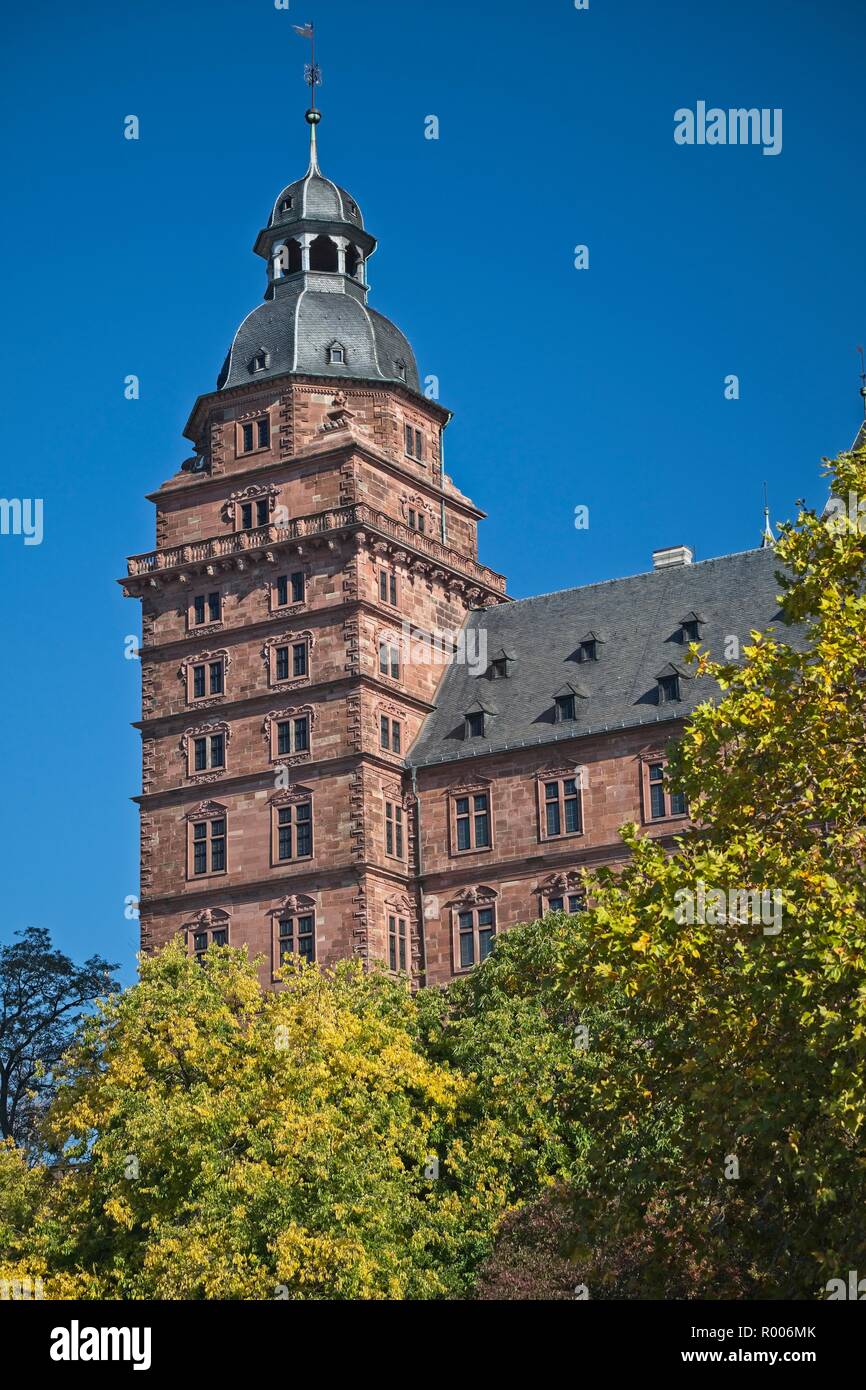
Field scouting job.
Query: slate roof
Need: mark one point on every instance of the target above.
(640, 619)
(300, 323)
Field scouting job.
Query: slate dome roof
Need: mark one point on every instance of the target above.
(317, 198)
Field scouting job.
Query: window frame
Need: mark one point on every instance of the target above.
(258, 425)
(399, 940)
(292, 599)
(291, 804)
(650, 784)
(559, 779)
(301, 915)
(395, 839)
(207, 662)
(212, 823)
(455, 817)
(460, 931)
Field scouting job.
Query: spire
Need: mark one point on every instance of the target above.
(313, 78)
(768, 540)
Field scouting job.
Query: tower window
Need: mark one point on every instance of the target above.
(207, 678)
(388, 587)
(209, 846)
(293, 736)
(389, 659)
(255, 434)
(286, 203)
(290, 588)
(400, 367)
(337, 354)
(259, 362)
(413, 443)
(296, 936)
(396, 943)
(393, 829)
(294, 831)
(253, 514)
(323, 254)
(417, 520)
(208, 753)
(206, 608)
(390, 734)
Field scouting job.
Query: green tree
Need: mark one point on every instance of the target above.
(43, 998)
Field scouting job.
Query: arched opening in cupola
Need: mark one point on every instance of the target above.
(287, 258)
(323, 254)
(353, 262)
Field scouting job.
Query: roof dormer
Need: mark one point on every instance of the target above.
(669, 684)
(476, 720)
(565, 703)
(500, 666)
(690, 628)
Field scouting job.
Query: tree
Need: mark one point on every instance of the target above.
(761, 1032)
(219, 1141)
(43, 997)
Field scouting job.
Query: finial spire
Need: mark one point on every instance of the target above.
(767, 538)
(313, 78)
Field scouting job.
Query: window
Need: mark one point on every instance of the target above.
(388, 587)
(208, 678)
(336, 354)
(396, 943)
(394, 829)
(389, 659)
(208, 752)
(290, 661)
(691, 631)
(417, 520)
(290, 588)
(259, 362)
(561, 808)
(204, 937)
(588, 650)
(294, 831)
(662, 802)
(296, 936)
(206, 608)
(413, 443)
(390, 734)
(209, 846)
(498, 669)
(255, 434)
(472, 822)
(292, 736)
(576, 903)
(565, 708)
(256, 513)
(286, 203)
(474, 724)
(475, 931)
(669, 689)
(401, 367)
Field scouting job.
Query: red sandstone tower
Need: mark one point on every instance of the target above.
(310, 533)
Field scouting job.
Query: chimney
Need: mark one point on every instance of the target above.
(672, 555)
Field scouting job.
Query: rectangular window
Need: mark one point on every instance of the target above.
(384, 732)
(472, 821)
(209, 751)
(396, 943)
(393, 829)
(215, 677)
(255, 434)
(576, 903)
(281, 663)
(562, 810)
(214, 608)
(198, 609)
(475, 932)
(293, 735)
(299, 659)
(198, 682)
(396, 737)
(388, 587)
(299, 584)
(282, 591)
(389, 660)
(284, 737)
(296, 936)
(209, 846)
(413, 443)
(294, 831)
(217, 936)
(200, 760)
(661, 802)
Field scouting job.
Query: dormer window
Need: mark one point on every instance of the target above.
(286, 203)
(566, 708)
(690, 628)
(475, 724)
(668, 689)
(260, 361)
(588, 647)
(353, 208)
(498, 669)
(336, 354)
(400, 366)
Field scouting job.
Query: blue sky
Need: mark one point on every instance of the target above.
(602, 387)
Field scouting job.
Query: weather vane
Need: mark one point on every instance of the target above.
(312, 71)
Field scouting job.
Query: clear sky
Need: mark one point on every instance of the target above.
(602, 387)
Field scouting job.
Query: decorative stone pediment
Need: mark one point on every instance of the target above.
(292, 905)
(200, 658)
(568, 881)
(207, 810)
(256, 492)
(207, 919)
(216, 726)
(289, 795)
(475, 897)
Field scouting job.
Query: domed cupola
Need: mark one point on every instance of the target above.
(315, 320)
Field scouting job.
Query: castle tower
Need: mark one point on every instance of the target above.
(301, 555)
